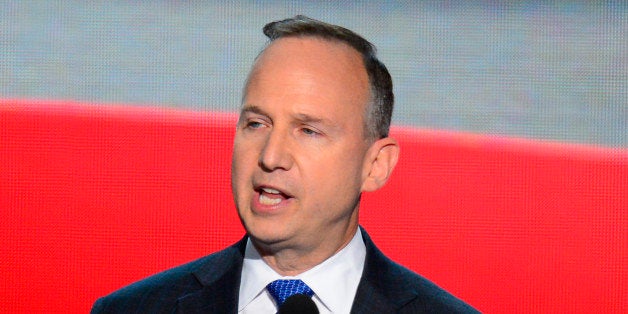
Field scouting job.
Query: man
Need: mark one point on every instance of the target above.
(311, 137)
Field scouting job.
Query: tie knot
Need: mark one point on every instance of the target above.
(283, 289)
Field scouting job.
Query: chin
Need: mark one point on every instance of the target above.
(261, 230)
(268, 236)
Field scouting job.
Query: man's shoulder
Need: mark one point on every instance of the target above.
(408, 291)
(429, 296)
(160, 292)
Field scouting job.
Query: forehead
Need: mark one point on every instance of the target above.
(302, 47)
(309, 69)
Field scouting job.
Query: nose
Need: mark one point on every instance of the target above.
(276, 153)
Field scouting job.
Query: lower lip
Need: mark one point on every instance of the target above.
(260, 208)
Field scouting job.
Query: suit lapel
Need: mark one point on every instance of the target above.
(379, 290)
(369, 299)
(221, 284)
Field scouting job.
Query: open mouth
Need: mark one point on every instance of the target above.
(270, 196)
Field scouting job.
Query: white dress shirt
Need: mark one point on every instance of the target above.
(334, 281)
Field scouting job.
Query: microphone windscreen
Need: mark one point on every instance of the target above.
(298, 303)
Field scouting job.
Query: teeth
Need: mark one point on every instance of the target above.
(270, 191)
(265, 200)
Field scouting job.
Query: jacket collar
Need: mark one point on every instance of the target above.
(381, 288)
(220, 279)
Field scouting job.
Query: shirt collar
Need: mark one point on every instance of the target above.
(334, 281)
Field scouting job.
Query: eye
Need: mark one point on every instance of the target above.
(254, 125)
(309, 131)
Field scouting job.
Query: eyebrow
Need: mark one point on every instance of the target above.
(329, 126)
(303, 117)
(253, 109)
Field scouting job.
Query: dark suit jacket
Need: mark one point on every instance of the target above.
(211, 285)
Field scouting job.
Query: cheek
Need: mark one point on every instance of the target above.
(243, 161)
(244, 152)
(336, 176)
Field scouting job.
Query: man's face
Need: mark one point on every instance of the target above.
(299, 148)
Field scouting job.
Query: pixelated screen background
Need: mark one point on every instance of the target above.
(116, 125)
(534, 69)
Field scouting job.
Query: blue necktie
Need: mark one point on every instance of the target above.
(283, 289)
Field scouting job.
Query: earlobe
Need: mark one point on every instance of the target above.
(381, 160)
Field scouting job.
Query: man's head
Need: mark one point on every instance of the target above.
(301, 154)
(380, 108)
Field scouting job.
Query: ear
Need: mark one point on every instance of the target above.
(379, 163)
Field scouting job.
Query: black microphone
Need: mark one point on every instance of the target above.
(298, 304)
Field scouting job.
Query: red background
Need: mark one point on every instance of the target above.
(95, 197)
